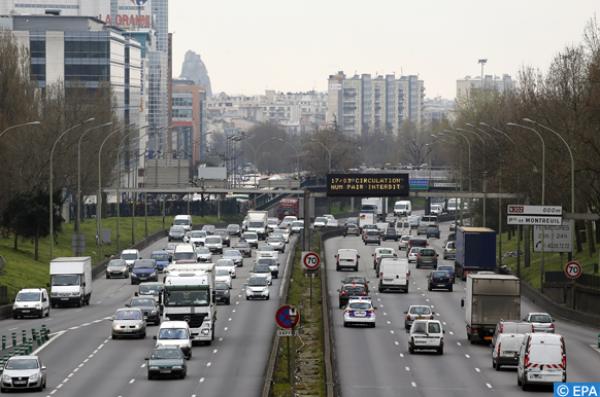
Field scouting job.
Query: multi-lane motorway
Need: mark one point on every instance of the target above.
(83, 360)
(376, 362)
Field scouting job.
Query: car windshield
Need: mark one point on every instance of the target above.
(450, 244)
(142, 302)
(177, 229)
(415, 250)
(143, 265)
(257, 281)
(233, 227)
(440, 274)
(420, 310)
(65, 279)
(255, 224)
(266, 261)
(232, 254)
(224, 262)
(354, 279)
(213, 240)
(128, 315)
(405, 238)
(372, 233)
(149, 289)
(386, 252)
(198, 234)
(427, 252)
(116, 263)
(28, 297)
(419, 327)
(355, 289)
(446, 268)
(359, 305)
(275, 239)
(221, 286)
(272, 221)
(181, 222)
(220, 271)
(173, 333)
(160, 256)
(166, 354)
(320, 220)
(262, 268)
(434, 328)
(22, 363)
(186, 298)
(297, 224)
(129, 256)
(171, 247)
(184, 256)
(540, 318)
(250, 236)
(203, 250)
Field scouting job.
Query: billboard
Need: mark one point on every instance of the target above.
(130, 15)
(367, 185)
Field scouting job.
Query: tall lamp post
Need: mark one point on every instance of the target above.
(13, 127)
(468, 142)
(51, 181)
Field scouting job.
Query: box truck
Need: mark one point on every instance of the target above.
(71, 281)
(475, 250)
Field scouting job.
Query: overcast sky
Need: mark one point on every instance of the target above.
(252, 45)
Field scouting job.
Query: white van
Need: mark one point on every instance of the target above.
(402, 208)
(183, 220)
(31, 302)
(393, 274)
(184, 252)
(346, 258)
(542, 360)
(175, 333)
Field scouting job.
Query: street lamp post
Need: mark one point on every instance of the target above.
(13, 127)
(78, 193)
(51, 182)
(327, 150)
(484, 180)
(463, 136)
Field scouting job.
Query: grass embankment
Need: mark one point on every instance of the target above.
(307, 349)
(552, 261)
(22, 271)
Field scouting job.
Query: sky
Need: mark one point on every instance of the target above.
(249, 46)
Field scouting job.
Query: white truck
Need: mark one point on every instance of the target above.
(256, 221)
(490, 298)
(403, 208)
(375, 205)
(71, 281)
(188, 296)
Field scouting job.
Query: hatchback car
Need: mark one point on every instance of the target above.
(427, 257)
(351, 228)
(433, 231)
(403, 245)
(244, 248)
(296, 226)
(224, 237)
(257, 288)
(273, 265)
(235, 256)
(176, 233)
(264, 270)
(153, 289)
(359, 311)
(372, 237)
(170, 249)
(438, 279)
(144, 270)
(203, 254)
(417, 312)
(350, 290)
(161, 258)
(450, 250)
(166, 361)
(222, 275)
(320, 222)
(222, 294)
(277, 243)
(542, 322)
(426, 335)
(356, 279)
(229, 264)
(234, 230)
(129, 322)
(390, 234)
(149, 307)
(251, 238)
(506, 350)
(117, 268)
(196, 237)
(23, 373)
(412, 254)
(448, 269)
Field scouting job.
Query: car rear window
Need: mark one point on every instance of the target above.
(540, 318)
(420, 310)
(545, 352)
(434, 328)
(359, 305)
(427, 252)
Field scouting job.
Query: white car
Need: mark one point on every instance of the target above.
(130, 256)
(263, 270)
(272, 223)
(257, 288)
(297, 226)
(222, 275)
(251, 238)
(287, 221)
(332, 223)
(22, 373)
(506, 350)
(284, 232)
(277, 243)
(228, 264)
(273, 265)
(196, 237)
(235, 256)
(359, 311)
(203, 254)
(412, 254)
(319, 222)
(266, 251)
(426, 335)
(542, 322)
(214, 243)
(403, 244)
(32, 302)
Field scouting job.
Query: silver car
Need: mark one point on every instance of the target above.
(117, 268)
(542, 322)
(234, 255)
(277, 243)
(203, 254)
(129, 322)
(23, 373)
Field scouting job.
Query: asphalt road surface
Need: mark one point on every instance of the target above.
(83, 360)
(376, 362)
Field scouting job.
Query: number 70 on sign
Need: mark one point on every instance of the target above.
(311, 260)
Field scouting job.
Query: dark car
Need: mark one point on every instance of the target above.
(362, 280)
(372, 236)
(416, 242)
(235, 255)
(234, 230)
(224, 236)
(144, 270)
(448, 269)
(176, 233)
(244, 248)
(351, 228)
(166, 361)
(349, 290)
(390, 234)
(161, 258)
(433, 231)
(222, 294)
(149, 306)
(427, 257)
(439, 279)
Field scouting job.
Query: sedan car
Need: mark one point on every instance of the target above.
(166, 361)
(228, 264)
(149, 307)
(273, 265)
(356, 279)
(153, 289)
(117, 268)
(412, 254)
(427, 257)
(234, 230)
(542, 322)
(284, 232)
(129, 322)
(277, 243)
(257, 288)
(244, 248)
(203, 254)
(348, 291)
(224, 237)
(417, 312)
(144, 270)
(222, 294)
(23, 373)
(359, 311)
(351, 228)
(251, 238)
(426, 335)
(235, 256)
(438, 279)
(448, 269)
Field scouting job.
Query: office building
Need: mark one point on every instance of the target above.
(465, 87)
(189, 121)
(362, 105)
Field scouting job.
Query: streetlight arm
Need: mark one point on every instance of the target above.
(12, 127)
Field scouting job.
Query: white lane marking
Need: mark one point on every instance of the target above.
(143, 365)
(215, 351)
(52, 392)
(13, 328)
(75, 370)
(488, 385)
(384, 313)
(90, 356)
(70, 375)
(229, 319)
(237, 302)
(427, 300)
(80, 365)
(437, 314)
(221, 339)
(98, 302)
(391, 331)
(402, 355)
(97, 321)
(413, 384)
(45, 345)
(225, 329)
(396, 343)
(407, 369)
(131, 381)
(451, 332)
(74, 328)
(59, 386)
(443, 322)
(233, 311)
(419, 289)
(477, 370)
(378, 299)
(85, 324)
(193, 395)
(381, 305)
(388, 322)
(432, 306)
(458, 343)
(201, 380)
(208, 364)
(467, 356)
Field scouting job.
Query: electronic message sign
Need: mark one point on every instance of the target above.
(367, 185)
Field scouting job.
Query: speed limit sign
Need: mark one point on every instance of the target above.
(573, 270)
(311, 260)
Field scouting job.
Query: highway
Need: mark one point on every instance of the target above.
(376, 362)
(83, 360)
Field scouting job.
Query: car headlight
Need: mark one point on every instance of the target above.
(38, 306)
(34, 377)
(152, 274)
(248, 291)
(177, 367)
(204, 331)
(153, 368)
(6, 378)
(134, 275)
(153, 312)
(75, 293)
